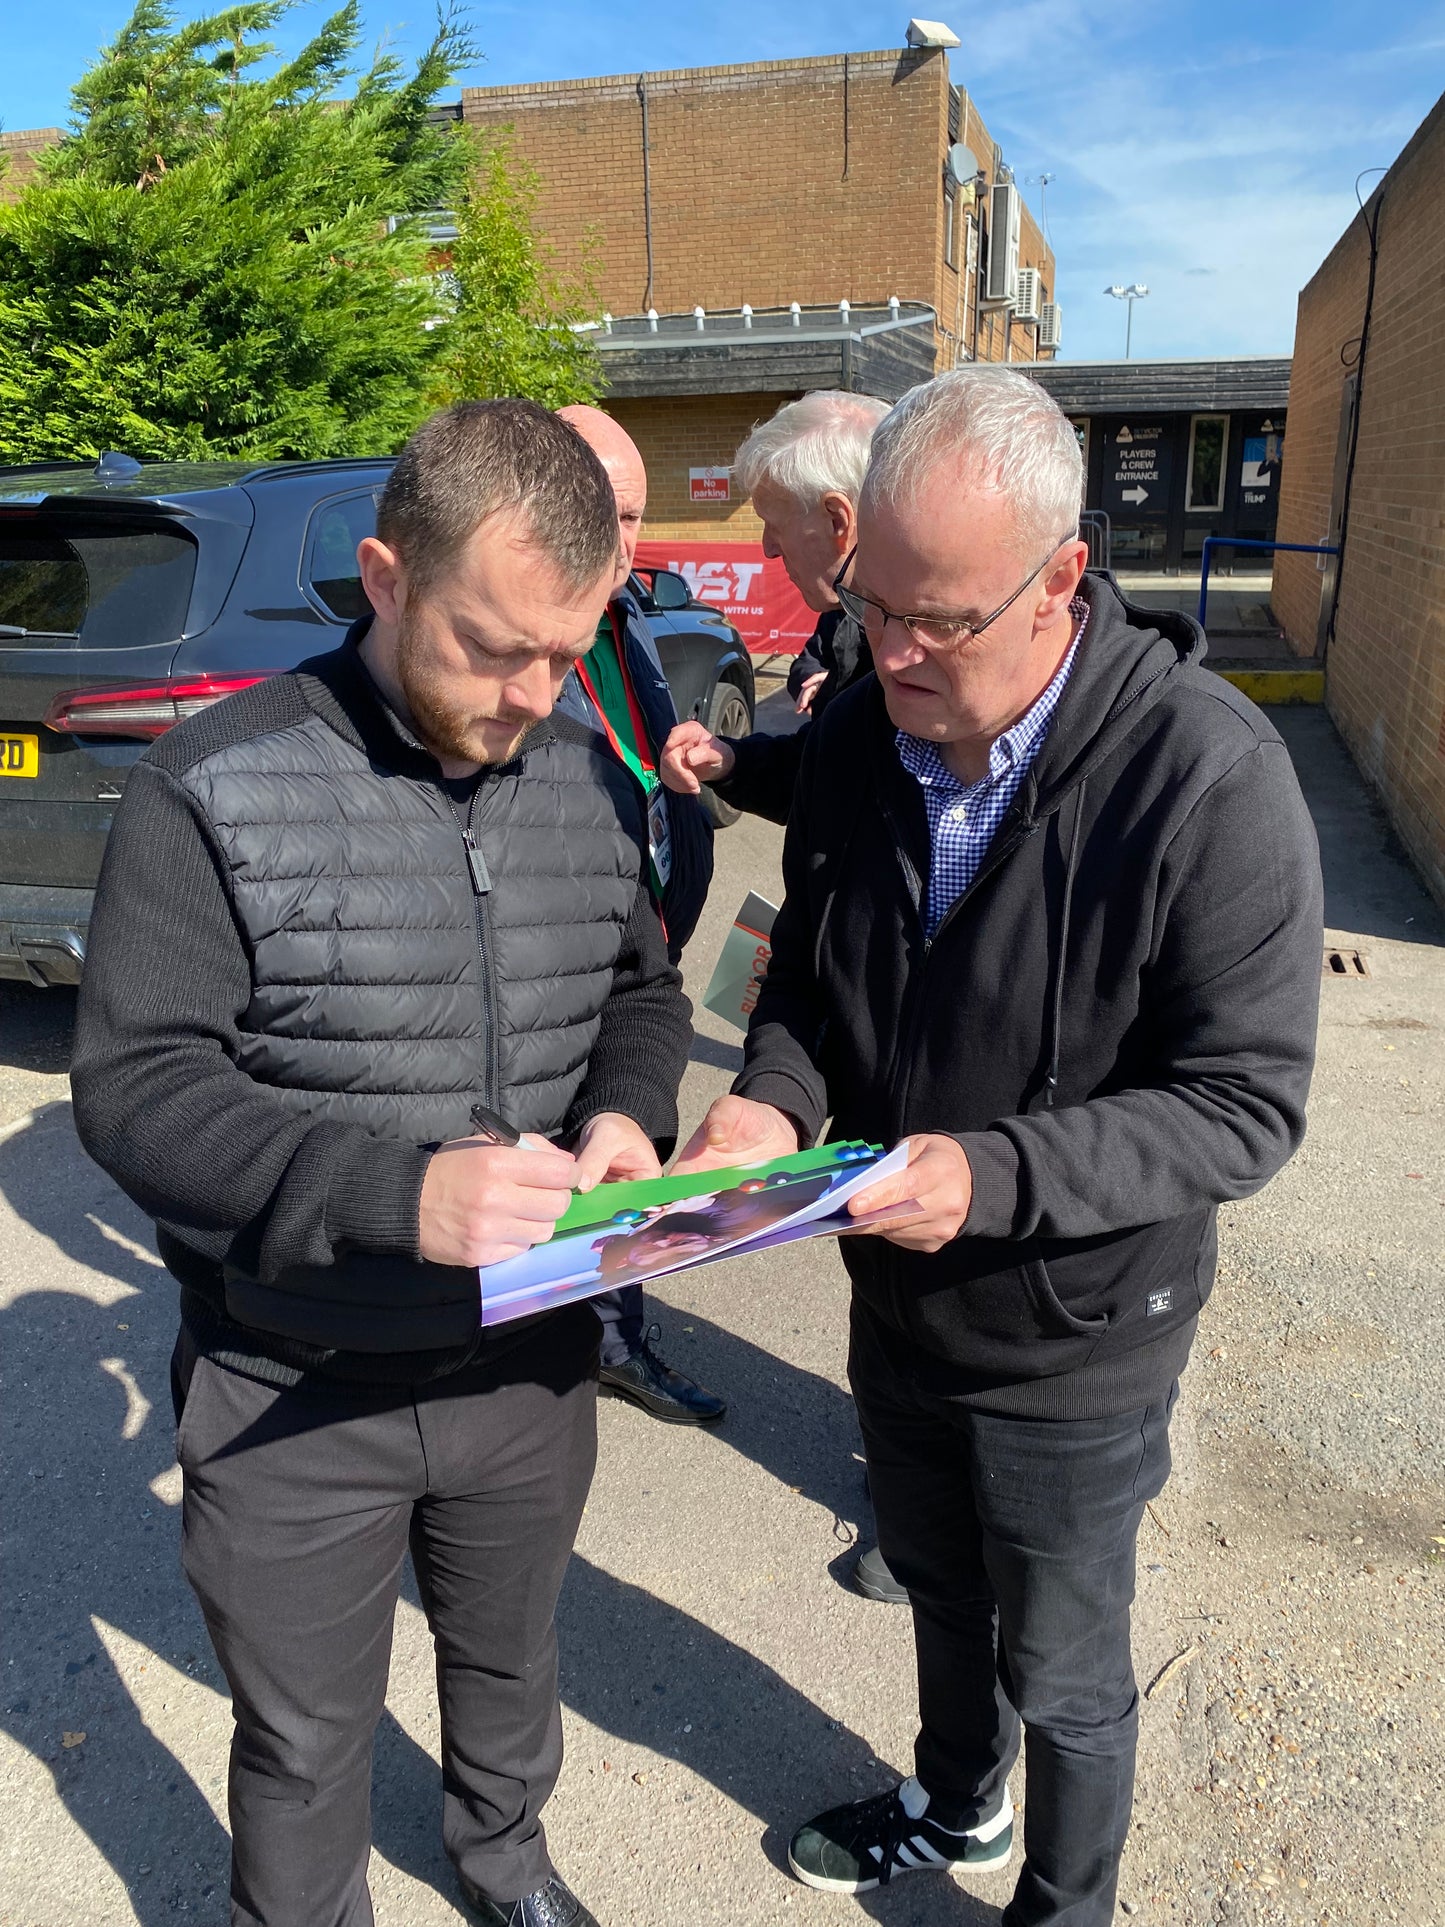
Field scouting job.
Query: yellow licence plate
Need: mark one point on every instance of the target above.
(19, 755)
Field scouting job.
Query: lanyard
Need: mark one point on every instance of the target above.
(658, 836)
(639, 727)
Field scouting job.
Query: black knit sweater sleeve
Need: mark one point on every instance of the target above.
(780, 1064)
(636, 1064)
(764, 773)
(160, 1098)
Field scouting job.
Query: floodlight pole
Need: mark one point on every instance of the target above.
(1134, 292)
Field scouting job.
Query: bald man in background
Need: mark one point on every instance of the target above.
(624, 661)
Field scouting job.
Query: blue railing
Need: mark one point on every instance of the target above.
(1212, 542)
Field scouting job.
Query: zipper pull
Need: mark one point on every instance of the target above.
(477, 863)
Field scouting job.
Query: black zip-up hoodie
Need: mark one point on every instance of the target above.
(765, 769)
(1116, 1020)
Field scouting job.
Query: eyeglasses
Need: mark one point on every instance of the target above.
(933, 632)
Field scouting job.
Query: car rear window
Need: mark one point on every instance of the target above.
(92, 586)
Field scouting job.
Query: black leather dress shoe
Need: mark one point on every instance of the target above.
(647, 1381)
(554, 1905)
(873, 1579)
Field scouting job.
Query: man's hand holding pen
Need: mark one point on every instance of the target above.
(496, 1194)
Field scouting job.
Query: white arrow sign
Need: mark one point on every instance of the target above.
(1136, 495)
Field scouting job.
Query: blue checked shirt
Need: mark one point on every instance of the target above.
(962, 817)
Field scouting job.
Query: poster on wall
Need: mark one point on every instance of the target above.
(1260, 465)
(1138, 459)
(752, 590)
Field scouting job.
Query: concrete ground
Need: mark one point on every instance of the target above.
(1240, 621)
(720, 1681)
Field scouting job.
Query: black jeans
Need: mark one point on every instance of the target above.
(623, 1314)
(299, 1506)
(1015, 1538)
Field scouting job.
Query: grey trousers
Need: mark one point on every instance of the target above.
(299, 1508)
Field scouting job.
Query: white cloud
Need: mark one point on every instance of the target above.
(1220, 183)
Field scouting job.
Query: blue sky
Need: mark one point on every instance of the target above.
(1208, 150)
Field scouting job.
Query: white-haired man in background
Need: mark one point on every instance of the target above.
(1053, 921)
(803, 469)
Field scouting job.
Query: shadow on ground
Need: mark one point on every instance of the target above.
(711, 1050)
(797, 1425)
(36, 1026)
(752, 1735)
(84, 1534)
(87, 1539)
(776, 713)
(1371, 887)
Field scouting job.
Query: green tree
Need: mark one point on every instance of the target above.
(511, 328)
(223, 258)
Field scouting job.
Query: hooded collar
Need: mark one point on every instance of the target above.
(1119, 673)
(1124, 657)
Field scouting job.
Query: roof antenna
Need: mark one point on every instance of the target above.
(115, 467)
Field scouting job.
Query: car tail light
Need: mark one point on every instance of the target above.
(147, 712)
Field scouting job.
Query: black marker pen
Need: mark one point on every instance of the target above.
(488, 1125)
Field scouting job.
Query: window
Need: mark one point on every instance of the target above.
(98, 585)
(329, 572)
(1080, 426)
(951, 225)
(1208, 435)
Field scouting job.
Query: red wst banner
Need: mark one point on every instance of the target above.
(752, 590)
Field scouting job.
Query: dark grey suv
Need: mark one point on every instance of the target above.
(131, 596)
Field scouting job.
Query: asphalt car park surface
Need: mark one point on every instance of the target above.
(720, 1681)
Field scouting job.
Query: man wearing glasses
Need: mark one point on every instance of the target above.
(1052, 918)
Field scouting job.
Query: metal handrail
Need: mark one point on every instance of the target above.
(1212, 542)
(1098, 519)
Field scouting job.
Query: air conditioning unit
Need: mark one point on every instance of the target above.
(1051, 325)
(1028, 294)
(1004, 216)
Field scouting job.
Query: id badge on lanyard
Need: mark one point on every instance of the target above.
(659, 835)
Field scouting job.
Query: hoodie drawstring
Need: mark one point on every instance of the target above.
(1051, 1081)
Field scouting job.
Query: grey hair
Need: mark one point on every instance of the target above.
(815, 446)
(996, 430)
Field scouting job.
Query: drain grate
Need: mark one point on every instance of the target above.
(1346, 963)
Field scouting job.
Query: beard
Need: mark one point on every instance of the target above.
(452, 732)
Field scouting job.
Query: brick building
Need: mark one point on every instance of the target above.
(1367, 468)
(17, 156)
(815, 181)
(790, 202)
(1177, 451)
(760, 230)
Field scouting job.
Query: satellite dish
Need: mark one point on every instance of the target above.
(961, 165)
(931, 33)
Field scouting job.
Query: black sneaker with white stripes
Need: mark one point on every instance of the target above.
(852, 1849)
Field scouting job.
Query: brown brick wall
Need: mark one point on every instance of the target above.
(754, 197)
(1386, 665)
(17, 156)
(693, 431)
(1330, 309)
